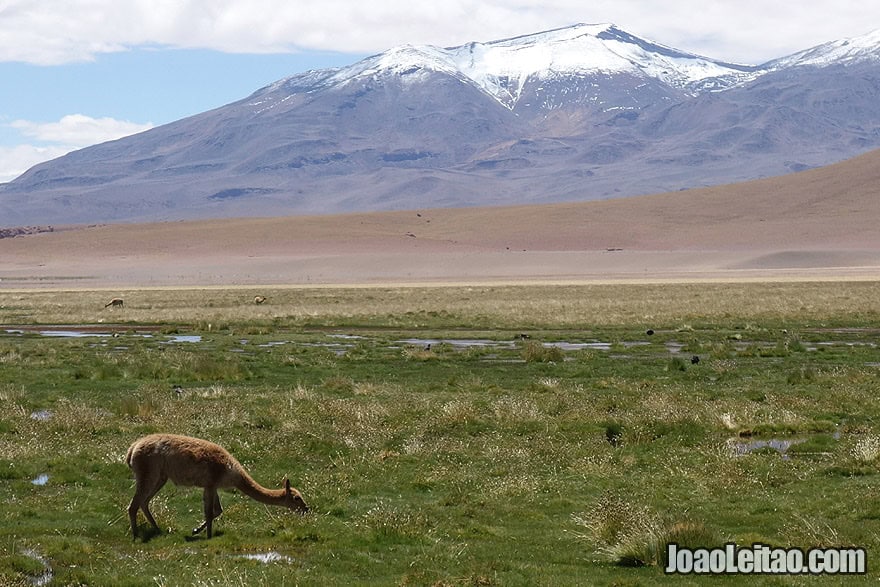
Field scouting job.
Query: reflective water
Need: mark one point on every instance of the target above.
(47, 575)
(268, 557)
(190, 338)
(72, 333)
(780, 445)
(459, 342)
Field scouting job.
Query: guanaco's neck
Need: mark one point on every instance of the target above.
(254, 490)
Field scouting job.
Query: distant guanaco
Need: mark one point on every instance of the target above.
(194, 462)
(115, 302)
(259, 299)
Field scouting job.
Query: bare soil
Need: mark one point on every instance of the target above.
(817, 224)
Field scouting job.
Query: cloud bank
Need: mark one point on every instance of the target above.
(44, 141)
(51, 32)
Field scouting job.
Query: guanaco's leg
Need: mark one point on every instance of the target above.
(146, 505)
(213, 509)
(218, 509)
(146, 488)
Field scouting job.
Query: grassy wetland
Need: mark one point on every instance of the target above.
(492, 435)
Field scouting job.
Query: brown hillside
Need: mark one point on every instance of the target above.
(822, 221)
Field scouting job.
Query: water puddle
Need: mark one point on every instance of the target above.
(72, 334)
(337, 349)
(459, 343)
(46, 576)
(189, 338)
(780, 445)
(85, 332)
(838, 343)
(742, 447)
(579, 346)
(268, 557)
(40, 480)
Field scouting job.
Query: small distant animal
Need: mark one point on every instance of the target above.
(115, 302)
(695, 360)
(259, 299)
(193, 462)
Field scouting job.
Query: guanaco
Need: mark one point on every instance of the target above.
(194, 462)
(115, 302)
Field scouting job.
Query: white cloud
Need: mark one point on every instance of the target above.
(61, 31)
(48, 140)
(78, 131)
(16, 160)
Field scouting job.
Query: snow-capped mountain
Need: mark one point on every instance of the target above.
(503, 68)
(578, 113)
(865, 48)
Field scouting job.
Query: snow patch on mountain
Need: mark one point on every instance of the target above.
(845, 52)
(502, 68)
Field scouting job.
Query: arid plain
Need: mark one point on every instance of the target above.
(816, 224)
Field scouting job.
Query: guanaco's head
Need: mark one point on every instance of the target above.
(293, 499)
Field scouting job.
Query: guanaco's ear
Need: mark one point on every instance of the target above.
(287, 485)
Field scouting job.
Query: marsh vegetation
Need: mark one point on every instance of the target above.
(561, 444)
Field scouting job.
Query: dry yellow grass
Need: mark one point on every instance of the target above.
(489, 307)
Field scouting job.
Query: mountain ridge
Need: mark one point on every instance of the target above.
(411, 127)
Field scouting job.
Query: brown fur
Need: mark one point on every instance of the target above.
(187, 461)
(115, 302)
(259, 299)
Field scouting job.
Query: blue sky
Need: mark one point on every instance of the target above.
(79, 72)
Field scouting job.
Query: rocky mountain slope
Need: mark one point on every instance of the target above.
(580, 113)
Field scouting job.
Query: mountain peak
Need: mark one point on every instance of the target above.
(582, 112)
(502, 68)
(845, 51)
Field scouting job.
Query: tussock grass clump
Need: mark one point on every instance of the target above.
(866, 449)
(801, 376)
(416, 353)
(388, 522)
(613, 433)
(676, 364)
(535, 352)
(515, 410)
(339, 384)
(633, 536)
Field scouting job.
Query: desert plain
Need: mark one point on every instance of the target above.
(815, 224)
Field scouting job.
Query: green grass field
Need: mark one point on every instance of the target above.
(509, 435)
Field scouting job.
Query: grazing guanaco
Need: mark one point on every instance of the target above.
(194, 462)
(259, 299)
(115, 302)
